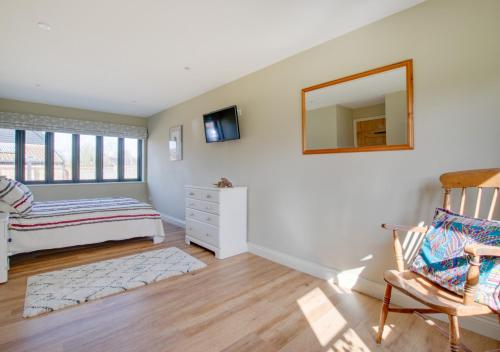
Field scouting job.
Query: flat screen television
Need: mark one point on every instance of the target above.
(222, 125)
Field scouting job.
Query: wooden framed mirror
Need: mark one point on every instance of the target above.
(368, 111)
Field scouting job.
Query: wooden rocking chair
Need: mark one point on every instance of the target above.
(438, 299)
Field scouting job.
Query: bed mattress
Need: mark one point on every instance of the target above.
(57, 224)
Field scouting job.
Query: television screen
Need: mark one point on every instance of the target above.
(222, 125)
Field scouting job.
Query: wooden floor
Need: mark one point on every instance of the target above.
(244, 303)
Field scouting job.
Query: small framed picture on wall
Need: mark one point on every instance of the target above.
(175, 143)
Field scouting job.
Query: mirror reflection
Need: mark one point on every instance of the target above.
(359, 113)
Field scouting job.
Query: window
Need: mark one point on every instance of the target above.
(87, 157)
(110, 158)
(131, 160)
(56, 157)
(63, 157)
(7, 153)
(34, 156)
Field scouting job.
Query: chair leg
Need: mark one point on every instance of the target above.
(454, 333)
(384, 312)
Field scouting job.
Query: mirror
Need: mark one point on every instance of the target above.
(368, 111)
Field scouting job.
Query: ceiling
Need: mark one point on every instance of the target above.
(138, 57)
(358, 93)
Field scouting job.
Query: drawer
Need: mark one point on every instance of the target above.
(202, 216)
(211, 196)
(194, 193)
(203, 232)
(209, 207)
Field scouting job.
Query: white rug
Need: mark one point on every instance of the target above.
(63, 288)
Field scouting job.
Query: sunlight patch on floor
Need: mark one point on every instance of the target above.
(350, 341)
(387, 330)
(336, 288)
(324, 319)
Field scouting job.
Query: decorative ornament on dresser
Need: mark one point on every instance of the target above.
(175, 143)
(216, 219)
(223, 183)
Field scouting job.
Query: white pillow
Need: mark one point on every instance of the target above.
(5, 208)
(16, 195)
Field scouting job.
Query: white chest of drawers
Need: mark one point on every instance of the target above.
(216, 218)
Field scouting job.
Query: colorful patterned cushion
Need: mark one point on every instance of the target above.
(442, 258)
(15, 195)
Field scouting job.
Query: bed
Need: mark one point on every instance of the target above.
(57, 224)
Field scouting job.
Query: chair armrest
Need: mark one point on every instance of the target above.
(472, 279)
(481, 250)
(403, 228)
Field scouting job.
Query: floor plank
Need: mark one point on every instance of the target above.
(243, 303)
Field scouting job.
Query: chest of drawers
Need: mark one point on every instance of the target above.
(216, 218)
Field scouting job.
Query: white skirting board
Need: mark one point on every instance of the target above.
(486, 325)
(173, 220)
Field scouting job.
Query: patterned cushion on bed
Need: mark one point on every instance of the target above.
(15, 195)
(442, 258)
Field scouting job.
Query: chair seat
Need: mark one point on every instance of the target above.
(432, 295)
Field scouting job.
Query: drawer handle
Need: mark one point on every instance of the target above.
(207, 207)
(209, 196)
(207, 234)
(208, 219)
(191, 193)
(190, 228)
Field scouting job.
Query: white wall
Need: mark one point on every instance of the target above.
(327, 209)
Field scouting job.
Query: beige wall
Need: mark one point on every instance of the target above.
(345, 127)
(84, 190)
(368, 111)
(328, 208)
(137, 190)
(321, 131)
(396, 118)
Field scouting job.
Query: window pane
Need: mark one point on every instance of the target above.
(87, 157)
(34, 156)
(110, 158)
(7, 153)
(130, 158)
(63, 152)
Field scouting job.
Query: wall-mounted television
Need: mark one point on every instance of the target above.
(222, 125)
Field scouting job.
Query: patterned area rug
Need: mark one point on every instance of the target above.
(63, 288)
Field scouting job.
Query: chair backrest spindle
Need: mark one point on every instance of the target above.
(478, 202)
(462, 202)
(478, 179)
(447, 199)
(493, 203)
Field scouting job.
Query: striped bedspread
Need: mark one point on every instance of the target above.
(66, 223)
(71, 213)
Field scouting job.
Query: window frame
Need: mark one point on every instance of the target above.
(20, 150)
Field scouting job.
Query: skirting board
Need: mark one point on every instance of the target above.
(486, 326)
(173, 220)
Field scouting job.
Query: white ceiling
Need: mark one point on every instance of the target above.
(361, 92)
(128, 56)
